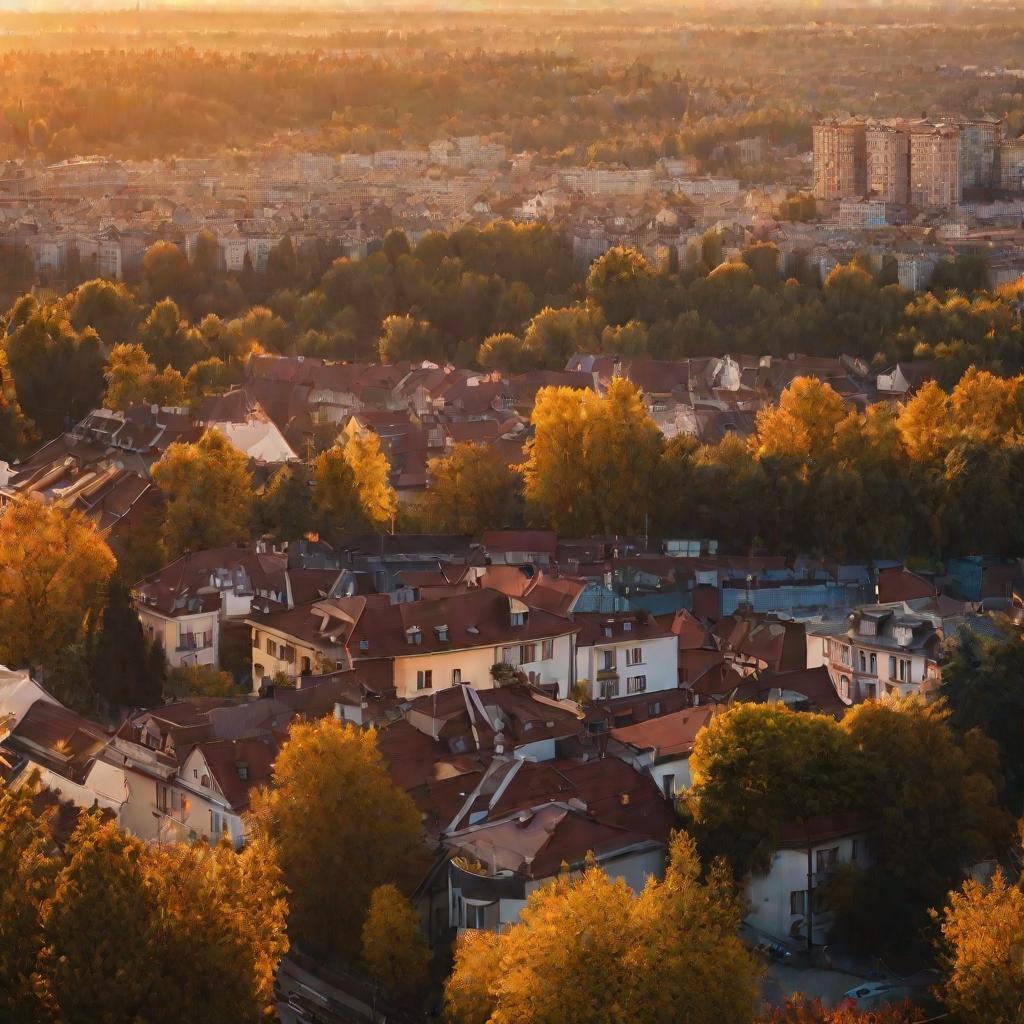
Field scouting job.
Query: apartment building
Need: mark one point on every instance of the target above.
(625, 654)
(935, 165)
(888, 163)
(840, 158)
(1011, 165)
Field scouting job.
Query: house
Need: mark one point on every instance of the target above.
(542, 818)
(879, 649)
(622, 654)
(428, 643)
(520, 547)
(901, 380)
(755, 641)
(662, 746)
(784, 901)
(243, 421)
(187, 604)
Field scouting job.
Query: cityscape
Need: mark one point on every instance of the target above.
(509, 513)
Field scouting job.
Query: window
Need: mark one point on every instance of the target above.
(271, 648)
(256, 639)
(609, 688)
(798, 903)
(870, 691)
(527, 653)
(668, 786)
(904, 670)
(826, 860)
(456, 676)
(627, 626)
(636, 684)
(863, 661)
(215, 823)
(205, 781)
(518, 618)
(654, 708)
(424, 679)
(874, 665)
(844, 686)
(161, 797)
(287, 652)
(854, 849)
(195, 773)
(892, 667)
(510, 655)
(607, 661)
(547, 650)
(634, 656)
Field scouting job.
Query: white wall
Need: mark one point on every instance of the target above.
(659, 662)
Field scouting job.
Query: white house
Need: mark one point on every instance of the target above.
(621, 654)
(785, 901)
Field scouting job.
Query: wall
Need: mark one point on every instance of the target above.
(660, 663)
(168, 630)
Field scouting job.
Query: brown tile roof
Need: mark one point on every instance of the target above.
(543, 541)
(230, 760)
(641, 627)
(669, 736)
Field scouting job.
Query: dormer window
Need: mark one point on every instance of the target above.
(517, 611)
(627, 626)
(243, 770)
(414, 635)
(364, 645)
(441, 632)
(518, 618)
(607, 630)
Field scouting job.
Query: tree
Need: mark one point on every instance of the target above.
(167, 271)
(982, 952)
(54, 570)
(404, 338)
(105, 306)
(934, 804)
(758, 766)
(286, 506)
(592, 461)
(336, 503)
(100, 930)
(589, 951)
(333, 805)
(208, 489)
(553, 335)
(372, 475)
(983, 685)
(120, 664)
(16, 431)
(169, 340)
(204, 929)
(27, 870)
(129, 376)
(201, 681)
(394, 950)
(471, 489)
(505, 353)
(621, 283)
(58, 371)
(799, 1010)
(803, 425)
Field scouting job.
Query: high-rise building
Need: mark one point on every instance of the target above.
(888, 162)
(935, 165)
(1011, 165)
(840, 159)
(979, 152)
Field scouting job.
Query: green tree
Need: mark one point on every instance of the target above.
(405, 339)
(504, 353)
(553, 335)
(286, 506)
(120, 663)
(208, 491)
(336, 505)
(621, 283)
(333, 805)
(129, 376)
(17, 431)
(394, 950)
(758, 766)
(166, 271)
(105, 306)
(471, 489)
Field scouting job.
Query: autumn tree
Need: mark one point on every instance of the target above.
(553, 335)
(54, 569)
(982, 952)
(403, 337)
(336, 505)
(803, 424)
(333, 806)
(505, 353)
(470, 490)
(759, 766)
(167, 272)
(587, 950)
(393, 948)
(371, 473)
(105, 306)
(208, 489)
(27, 870)
(801, 1010)
(591, 463)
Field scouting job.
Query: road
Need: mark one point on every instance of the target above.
(332, 1003)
